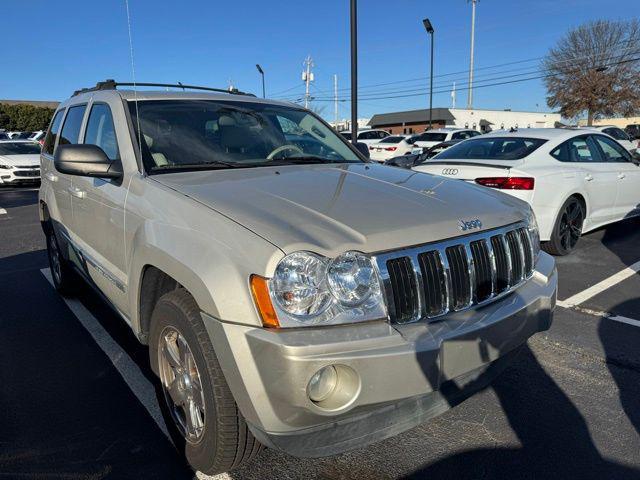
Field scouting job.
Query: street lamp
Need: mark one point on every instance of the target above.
(261, 73)
(429, 28)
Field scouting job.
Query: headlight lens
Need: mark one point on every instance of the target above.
(5, 167)
(308, 289)
(534, 233)
(299, 284)
(352, 278)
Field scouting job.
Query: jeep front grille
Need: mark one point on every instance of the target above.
(429, 281)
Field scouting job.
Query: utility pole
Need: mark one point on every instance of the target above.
(307, 77)
(473, 34)
(453, 96)
(335, 98)
(354, 71)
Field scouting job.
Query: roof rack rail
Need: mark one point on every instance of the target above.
(111, 84)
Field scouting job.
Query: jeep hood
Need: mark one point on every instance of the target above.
(329, 209)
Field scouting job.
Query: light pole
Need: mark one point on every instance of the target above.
(354, 72)
(429, 28)
(261, 73)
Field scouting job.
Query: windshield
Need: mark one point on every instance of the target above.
(492, 148)
(19, 148)
(391, 140)
(205, 134)
(431, 137)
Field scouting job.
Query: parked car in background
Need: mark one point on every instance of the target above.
(618, 134)
(576, 180)
(19, 162)
(367, 137)
(633, 130)
(37, 136)
(431, 138)
(391, 146)
(413, 159)
(287, 299)
(4, 136)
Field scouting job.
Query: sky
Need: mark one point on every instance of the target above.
(52, 48)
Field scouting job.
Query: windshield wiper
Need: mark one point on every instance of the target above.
(197, 166)
(306, 160)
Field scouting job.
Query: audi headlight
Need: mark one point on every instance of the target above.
(307, 289)
(534, 232)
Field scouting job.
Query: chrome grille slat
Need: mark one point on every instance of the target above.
(429, 281)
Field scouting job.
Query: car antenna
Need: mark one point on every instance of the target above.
(133, 75)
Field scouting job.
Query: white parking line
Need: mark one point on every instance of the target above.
(594, 290)
(130, 372)
(608, 316)
(628, 321)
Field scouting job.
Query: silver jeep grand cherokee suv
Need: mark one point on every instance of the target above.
(292, 294)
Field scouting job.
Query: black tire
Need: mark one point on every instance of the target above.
(567, 229)
(64, 278)
(225, 441)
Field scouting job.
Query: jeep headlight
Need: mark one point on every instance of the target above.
(307, 289)
(534, 232)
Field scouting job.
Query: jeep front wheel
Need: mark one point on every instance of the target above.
(202, 413)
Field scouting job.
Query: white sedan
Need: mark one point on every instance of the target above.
(576, 180)
(433, 137)
(19, 162)
(391, 146)
(618, 134)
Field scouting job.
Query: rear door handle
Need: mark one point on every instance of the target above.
(621, 176)
(76, 192)
(588, 177)
(51, 177)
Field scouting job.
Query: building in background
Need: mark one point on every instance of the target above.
(415, 121)
(617, 121)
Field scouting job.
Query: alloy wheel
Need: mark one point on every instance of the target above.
(571, 225)
(54, 256)
(181, 384)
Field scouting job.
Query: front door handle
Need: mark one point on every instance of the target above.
(621, 176)
(51, 177)
(76, 192)
(588, 177)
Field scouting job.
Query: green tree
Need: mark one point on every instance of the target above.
(24, 117)
(596, 68)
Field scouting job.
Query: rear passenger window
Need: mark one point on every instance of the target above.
(581, 149)
(101, 131)
(613, 152)
(73, 122)
(52, 134)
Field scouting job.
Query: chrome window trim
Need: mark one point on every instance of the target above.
(380, 259)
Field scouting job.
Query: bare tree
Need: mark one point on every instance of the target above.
(595, 68)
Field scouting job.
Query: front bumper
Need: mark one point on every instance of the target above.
(15, 176)
(407, 373)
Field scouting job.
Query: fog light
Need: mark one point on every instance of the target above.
(322, 384)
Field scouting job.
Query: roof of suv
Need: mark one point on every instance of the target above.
(176, 95)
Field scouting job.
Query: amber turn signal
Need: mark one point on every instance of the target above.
(260, 291)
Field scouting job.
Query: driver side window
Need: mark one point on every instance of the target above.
(100, 131)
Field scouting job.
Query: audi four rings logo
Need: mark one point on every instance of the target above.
(450, 171)
(465, 225)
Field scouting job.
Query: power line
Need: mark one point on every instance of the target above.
(344, 99)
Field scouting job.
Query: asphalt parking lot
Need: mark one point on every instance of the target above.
(78, 399)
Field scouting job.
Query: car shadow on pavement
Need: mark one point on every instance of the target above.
(620, 341)
(555, 440)
(17, 198)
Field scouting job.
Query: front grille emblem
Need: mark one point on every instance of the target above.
(466, 225)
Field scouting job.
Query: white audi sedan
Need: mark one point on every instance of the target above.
(431, 138)
(391, 146)
(19, 162)
(576, 180)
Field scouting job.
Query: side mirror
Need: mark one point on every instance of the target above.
(85, 161)
(363, 148)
